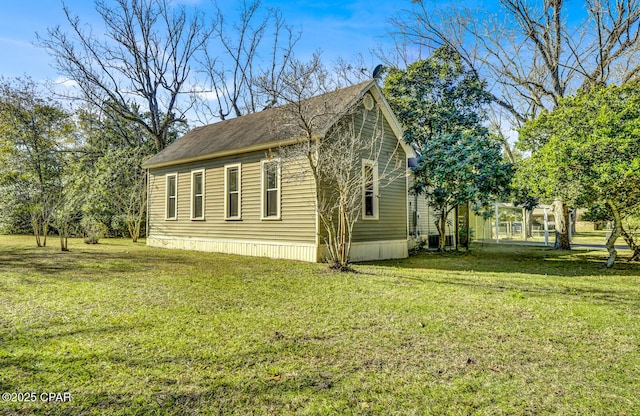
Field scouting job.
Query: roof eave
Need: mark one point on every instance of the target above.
(230, 152)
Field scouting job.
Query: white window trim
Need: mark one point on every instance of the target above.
(193, 173)
(226, 191)
(263, 191)
(166, 196)
(376, 196)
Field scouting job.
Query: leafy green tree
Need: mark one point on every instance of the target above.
(113, 151)
(531, 53)
(440, 104)
(592, 152)
(35, 134)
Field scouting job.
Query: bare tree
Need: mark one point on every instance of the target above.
(255, 50)
(334, 137)
(144, 57)
(531, 53)
(353, 71)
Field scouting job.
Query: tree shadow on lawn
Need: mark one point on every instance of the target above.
(77, 264)
(523, 289)
(218, 388)
(508, 267)
(29, 340)
(519, 260)
(221, 397)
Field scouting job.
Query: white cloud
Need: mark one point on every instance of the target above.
(65, 82)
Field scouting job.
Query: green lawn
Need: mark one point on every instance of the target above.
(131, 330)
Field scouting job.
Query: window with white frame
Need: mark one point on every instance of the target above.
(270, 189)
(197, 194)
(171, 209)
(232, 186)
(369, 190)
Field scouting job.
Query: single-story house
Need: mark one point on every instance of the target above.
(222, 188)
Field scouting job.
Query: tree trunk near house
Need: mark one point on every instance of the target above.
(344, 255)
(136, 209)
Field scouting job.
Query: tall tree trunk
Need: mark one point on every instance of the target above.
(465, 236)
(136, 209)
(574, 220)
(615, 233)
(529, 220)
(45, 231)
(442, 229)
(562, 222)
(344, 256)
(64, 237)
(35, 224)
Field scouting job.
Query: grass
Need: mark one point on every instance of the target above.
(131, 330)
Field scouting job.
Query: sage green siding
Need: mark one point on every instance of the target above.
(392, 195)
(391, 222)
(294, 234)
(297, 222)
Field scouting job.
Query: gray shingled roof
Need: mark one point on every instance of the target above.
(249, 130)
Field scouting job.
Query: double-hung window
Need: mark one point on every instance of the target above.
(369, 190)
(232, 186)
(197, 194)
(270, 189)
(171, 208)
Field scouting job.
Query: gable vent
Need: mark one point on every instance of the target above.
(368, 102)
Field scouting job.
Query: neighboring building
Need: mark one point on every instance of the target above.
(220, 188)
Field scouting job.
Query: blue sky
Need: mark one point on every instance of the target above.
(338, 28)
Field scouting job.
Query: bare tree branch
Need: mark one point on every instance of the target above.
(528, 50)
(144, 60)
(237, 75)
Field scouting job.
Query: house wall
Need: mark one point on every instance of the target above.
(293, 236)
(386, 236)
